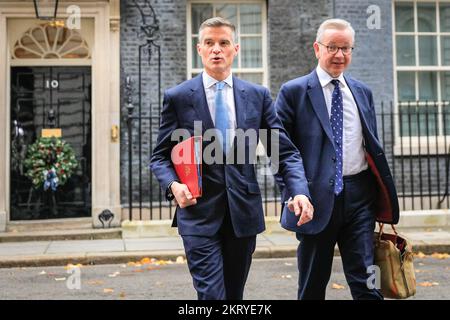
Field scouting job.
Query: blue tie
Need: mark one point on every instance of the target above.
(221, 119)
(336, 121)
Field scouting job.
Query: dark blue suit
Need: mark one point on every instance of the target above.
(349, 218)
(219, 232)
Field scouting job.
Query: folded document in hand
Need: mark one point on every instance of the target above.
(187, 160)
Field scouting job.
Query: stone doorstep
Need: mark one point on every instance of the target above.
(425, 219)
(162, 228)
(49, 224)
(62, 234)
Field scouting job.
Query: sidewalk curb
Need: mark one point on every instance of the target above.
(262, 252)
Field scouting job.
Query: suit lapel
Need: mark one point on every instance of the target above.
(315, 94)
(199, 103)
(240, 102)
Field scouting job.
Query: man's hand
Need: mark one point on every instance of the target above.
(182, 195)
(301, 206)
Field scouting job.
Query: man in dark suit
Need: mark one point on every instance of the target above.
(219, 229)
(331, 119)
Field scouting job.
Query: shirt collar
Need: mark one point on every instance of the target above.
(325, 78)
(209, 81)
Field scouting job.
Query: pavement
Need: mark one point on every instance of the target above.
(107, 251)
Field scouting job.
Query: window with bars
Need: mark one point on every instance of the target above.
(422, 67)
(249, 17)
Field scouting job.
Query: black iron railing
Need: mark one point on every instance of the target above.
(415, 136)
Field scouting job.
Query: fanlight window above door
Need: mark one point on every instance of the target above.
(51, 42)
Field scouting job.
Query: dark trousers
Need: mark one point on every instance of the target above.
(351, 226)
(219, 265)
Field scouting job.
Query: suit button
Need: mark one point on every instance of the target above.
(334, 159)
(331, 182)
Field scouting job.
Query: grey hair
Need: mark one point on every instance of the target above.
(217, 22)
(338, 24)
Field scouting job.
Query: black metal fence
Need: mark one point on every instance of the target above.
(414, 136)
(416, 139)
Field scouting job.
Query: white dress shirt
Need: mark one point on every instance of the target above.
(354, 160)
(209, 83)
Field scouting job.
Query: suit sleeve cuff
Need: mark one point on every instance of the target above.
(169, 194)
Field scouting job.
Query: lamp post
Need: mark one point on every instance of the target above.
(46, 9)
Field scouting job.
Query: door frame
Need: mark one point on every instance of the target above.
(105, 104)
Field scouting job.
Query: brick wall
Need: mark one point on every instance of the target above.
(172, 42)
(292, 26)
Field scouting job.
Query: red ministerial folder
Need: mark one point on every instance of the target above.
(187, 160)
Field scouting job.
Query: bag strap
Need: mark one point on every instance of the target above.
(380, 233)
(381, 226)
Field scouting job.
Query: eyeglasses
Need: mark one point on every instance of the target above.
(335, 49)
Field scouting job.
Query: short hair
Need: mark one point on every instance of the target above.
(216, 22)
(339, 24)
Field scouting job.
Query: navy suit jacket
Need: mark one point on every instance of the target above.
(232, 185)
(302, 109)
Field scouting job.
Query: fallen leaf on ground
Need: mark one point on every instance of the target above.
(287, 276)
(60, 279)
(122, 295)
(131, 264)
(180, 260)
(42, 272)
(428, 284)
(421, 264)
(337, 286)
(138, 270)
(108, 290)
(288, 264)
(145, 261)
(95, 282)
(71, 266)
(441, 256)
(420, 255)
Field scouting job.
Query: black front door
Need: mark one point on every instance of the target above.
(50, 97)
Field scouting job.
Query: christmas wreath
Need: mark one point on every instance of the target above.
(50, 162)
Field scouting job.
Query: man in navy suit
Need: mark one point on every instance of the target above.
(219, 229)
(331, 119)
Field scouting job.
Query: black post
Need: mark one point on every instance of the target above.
(130, 108)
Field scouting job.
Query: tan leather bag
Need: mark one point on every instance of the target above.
(394, 256)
